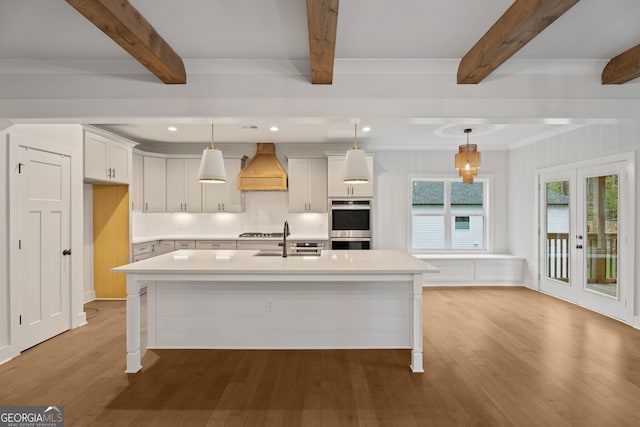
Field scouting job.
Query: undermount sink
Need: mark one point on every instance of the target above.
(279, 253)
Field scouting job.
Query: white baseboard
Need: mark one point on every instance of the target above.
(636, 322)
(89, 296)
(470, 284)
(7, 353)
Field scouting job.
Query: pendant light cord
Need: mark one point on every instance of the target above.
(212, 146)
(355, 139)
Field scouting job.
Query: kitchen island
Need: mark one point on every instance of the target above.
(242, 299)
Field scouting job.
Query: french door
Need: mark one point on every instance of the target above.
(584, 252)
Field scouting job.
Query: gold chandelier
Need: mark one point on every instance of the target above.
(468, 160)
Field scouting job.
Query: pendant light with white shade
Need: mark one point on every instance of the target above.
(212, 165)
(356, 170)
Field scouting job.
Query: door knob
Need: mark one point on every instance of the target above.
(578, 246)
(66, 252)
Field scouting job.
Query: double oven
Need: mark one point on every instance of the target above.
(350, 224)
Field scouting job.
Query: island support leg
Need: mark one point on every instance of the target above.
(416, 324)
(133, 325)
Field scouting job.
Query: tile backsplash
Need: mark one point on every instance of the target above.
(264, 212)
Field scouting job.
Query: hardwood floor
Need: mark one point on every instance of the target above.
(493, 357)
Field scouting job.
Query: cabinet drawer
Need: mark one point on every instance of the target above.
(185, 244)
(140, 257)
(142, 248)
(209, 244)
(164, 246)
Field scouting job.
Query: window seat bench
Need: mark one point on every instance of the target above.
(474, 269)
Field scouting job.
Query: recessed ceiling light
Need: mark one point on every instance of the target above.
(172, 129)
(274, 129)
(366, 129)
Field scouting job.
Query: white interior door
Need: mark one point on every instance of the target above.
(584, 259)
(44, 247)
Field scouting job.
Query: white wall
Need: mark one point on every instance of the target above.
(586, 143)
(4, 242)
(392, 192)
(44, 136)
(89, 292)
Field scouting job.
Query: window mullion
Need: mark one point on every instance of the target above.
(447, 215)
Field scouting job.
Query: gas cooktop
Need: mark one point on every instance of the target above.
(261, 235)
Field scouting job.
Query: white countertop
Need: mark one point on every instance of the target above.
(244, 262)
(293, 237)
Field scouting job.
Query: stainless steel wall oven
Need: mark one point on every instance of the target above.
(350, 224)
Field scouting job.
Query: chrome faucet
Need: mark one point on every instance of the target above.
(285, 233)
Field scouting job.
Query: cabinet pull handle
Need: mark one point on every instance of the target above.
(113, 173)
(223, 206)
(146, 206)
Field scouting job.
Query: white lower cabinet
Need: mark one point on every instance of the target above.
(142, 251)
(164, 246)
(215, 244)
(185, 244)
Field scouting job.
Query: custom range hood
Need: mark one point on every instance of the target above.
(263, 172)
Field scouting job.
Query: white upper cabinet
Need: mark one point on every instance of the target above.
(184, 191)
(106, 159)
(154, 184)
(136, 188)
(336, 185)
(307, 185)
(224, 197)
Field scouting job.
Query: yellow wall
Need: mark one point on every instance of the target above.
(110, 239)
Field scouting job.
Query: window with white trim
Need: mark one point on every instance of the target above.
(448, 215)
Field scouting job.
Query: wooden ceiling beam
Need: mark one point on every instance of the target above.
(520, 24)
(322, 23)
(126, 26)
(622, 68)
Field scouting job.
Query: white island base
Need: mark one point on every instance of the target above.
(235, 300)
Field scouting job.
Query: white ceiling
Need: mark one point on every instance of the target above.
(391, 60)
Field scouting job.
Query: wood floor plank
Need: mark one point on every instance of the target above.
(493, 357)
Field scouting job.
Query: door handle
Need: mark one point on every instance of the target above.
(66, 252)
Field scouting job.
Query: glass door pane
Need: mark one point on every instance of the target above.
(601, 244)
(557, 221)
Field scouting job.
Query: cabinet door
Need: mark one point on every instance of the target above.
(95, 156)
(212, 196)
(154, 184)
(233, 197)
(119, 162)
(298, 171)
(175, 185)
(336, 185)
(137, 201)
(317, 189)
(192, 186)
(224, 197)
(365, 190)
